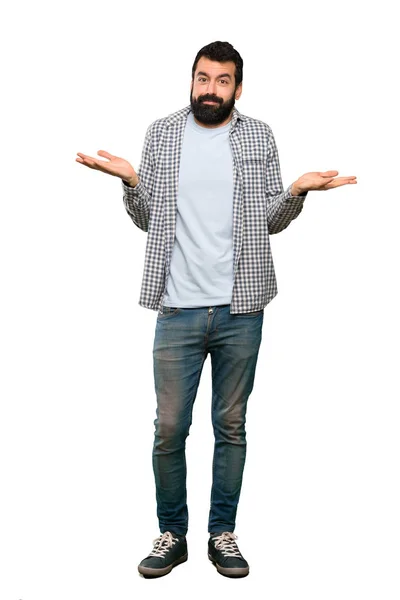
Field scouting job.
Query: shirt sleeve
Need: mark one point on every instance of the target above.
(137, 199)
(282, 206)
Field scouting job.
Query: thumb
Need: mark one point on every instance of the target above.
(105, 154)
(329, 173)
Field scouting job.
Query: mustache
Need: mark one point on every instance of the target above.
(207, 98)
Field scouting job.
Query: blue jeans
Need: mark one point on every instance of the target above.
(183, 338)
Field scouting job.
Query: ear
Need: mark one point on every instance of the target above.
(238, 92)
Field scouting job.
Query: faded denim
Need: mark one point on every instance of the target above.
(183, 339)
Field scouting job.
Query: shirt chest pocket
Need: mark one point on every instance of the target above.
(254, 173)
(254, 155)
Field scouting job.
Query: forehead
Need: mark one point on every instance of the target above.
(214, 68)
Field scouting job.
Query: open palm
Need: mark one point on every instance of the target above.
(115, 165)
(326, 180)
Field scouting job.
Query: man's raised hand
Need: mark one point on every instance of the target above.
(321, 180)
(115, 165)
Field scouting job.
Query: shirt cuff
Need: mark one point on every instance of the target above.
(288, 195)
(133, 192)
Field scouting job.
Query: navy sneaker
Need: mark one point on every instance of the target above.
(225, 555)
(169, 550)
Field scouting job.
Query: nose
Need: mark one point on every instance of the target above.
(211, 88)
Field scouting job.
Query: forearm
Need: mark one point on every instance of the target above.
(282, 208)
(137, 189)
(137, 202)
(282, 205)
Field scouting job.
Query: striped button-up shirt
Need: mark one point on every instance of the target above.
(260, 207)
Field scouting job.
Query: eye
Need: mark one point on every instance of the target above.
(201, 78)
(224, 81)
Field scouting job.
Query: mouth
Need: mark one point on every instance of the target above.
(209, 102)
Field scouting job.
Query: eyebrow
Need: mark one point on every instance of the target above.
(221, 75)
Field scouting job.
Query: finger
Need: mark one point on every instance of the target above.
(84, 156)
(94, 159)
(328, 173)
(351, 179)
(87, 160)
(90, 161)
(105, 154)
(340, 181)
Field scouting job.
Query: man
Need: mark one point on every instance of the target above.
(208, 192)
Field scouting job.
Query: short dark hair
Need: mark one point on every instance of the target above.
(221, 52)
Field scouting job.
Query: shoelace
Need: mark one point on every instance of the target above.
(162, 544)
(226, 542)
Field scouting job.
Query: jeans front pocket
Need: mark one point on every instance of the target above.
(168, 311)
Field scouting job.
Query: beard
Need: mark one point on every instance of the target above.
(211, 114)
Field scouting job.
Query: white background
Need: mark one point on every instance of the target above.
(319, 511)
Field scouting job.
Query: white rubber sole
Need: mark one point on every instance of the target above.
(150, 572)
(230, 572)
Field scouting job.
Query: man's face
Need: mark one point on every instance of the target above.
(213, 81)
